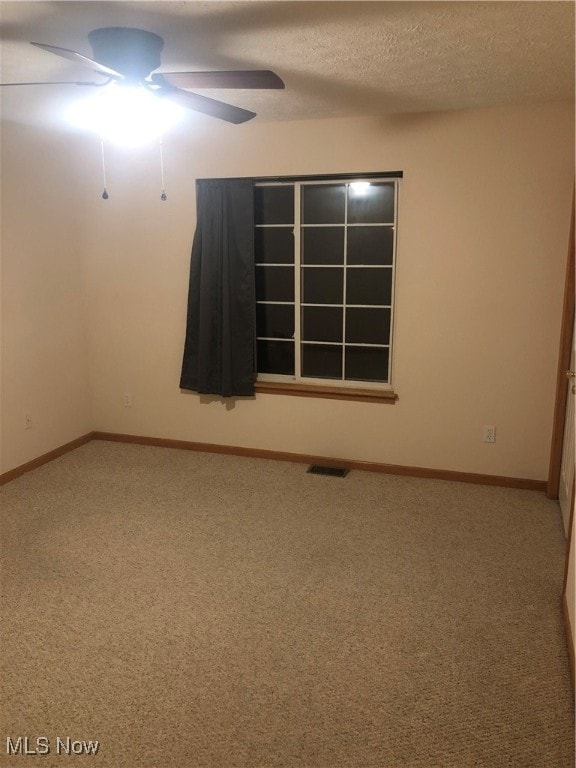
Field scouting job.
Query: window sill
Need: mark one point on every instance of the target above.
(329, 393)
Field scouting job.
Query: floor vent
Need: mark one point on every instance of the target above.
(318, 469)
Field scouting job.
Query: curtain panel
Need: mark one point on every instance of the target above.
(219, 356)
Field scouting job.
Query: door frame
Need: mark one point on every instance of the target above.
(562, 383)
(565, 609)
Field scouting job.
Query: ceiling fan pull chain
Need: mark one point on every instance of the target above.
(105, 194)
(163, 195)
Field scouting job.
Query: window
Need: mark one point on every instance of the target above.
(324, 260)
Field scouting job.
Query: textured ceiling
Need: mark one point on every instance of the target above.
(337, 58)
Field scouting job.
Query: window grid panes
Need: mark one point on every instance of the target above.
(325, 280)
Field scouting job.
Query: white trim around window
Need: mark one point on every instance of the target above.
(346, 340)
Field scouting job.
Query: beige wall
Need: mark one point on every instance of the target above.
(483, 227)
(43, 351)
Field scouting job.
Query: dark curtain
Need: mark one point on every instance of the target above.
(220, 331)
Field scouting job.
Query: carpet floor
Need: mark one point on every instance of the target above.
(191, 610)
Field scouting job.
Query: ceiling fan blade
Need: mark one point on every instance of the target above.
(54, 82)
(205, 105)
(80, 59)
(248, 78)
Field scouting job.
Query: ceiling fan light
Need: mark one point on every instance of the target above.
(360, 187)
(125, 114)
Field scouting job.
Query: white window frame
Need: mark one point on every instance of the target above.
(297, 378)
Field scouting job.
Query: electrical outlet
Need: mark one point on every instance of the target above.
(27, 421)
(127, 400)
(489, 434)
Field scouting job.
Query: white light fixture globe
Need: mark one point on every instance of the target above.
(126, 114)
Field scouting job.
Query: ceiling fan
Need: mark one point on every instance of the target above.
(125, 55)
